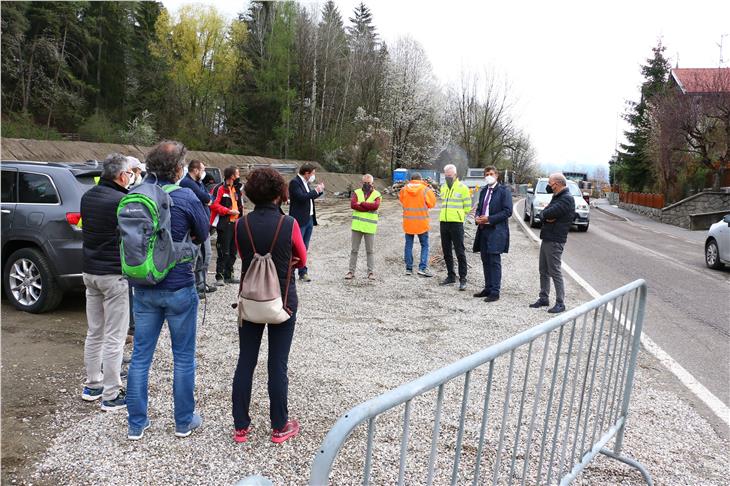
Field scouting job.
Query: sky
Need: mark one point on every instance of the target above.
(571, 65)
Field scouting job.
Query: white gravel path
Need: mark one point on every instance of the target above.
(355, 340)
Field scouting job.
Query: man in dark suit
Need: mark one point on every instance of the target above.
(492, 238)
(301, 205)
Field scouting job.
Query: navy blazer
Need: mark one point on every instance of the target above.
(497, 229)
(299, 197)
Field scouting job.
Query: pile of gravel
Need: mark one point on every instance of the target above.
(353, 341)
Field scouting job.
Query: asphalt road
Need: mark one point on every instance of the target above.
(688, 307)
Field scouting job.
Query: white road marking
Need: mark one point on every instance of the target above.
(721, 410)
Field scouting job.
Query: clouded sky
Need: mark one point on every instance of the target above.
(571, 64)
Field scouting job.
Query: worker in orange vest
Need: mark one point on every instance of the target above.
(417, 198)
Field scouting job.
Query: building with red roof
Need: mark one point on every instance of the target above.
(700, 81)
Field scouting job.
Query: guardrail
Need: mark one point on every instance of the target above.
(589, 356)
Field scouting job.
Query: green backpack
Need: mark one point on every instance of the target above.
(146, 248)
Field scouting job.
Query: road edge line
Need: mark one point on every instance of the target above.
(716, 405)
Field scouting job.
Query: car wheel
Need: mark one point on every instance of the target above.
(583, 229)
(533, 223)
(712, 255)
(29, 282)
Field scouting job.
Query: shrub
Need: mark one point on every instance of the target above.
(99, 128)
(139, 131)
(19, 125)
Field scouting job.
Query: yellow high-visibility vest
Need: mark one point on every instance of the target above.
(365, 221)
(455, 202)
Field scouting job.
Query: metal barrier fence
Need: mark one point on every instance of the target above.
(560, 392)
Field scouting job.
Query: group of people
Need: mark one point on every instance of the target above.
(491, 215)
(113, 303)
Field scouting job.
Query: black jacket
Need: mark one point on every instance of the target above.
(562, 210)
(99, 228)
(199, 189)
(299, 197)
(263, 221)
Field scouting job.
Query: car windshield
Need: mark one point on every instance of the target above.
(574, 189)
(540, 188)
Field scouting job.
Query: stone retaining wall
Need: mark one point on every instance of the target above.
(678, 214)
(653, 213)
(703, 202)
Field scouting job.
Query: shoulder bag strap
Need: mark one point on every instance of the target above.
(276, 235)
(248, 230)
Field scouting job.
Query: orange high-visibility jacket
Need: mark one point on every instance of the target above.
(416, 197)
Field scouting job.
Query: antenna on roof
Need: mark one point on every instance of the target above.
(722, 38)
(677, 66)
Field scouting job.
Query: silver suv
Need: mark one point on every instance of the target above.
(538, 198)
(41, 231)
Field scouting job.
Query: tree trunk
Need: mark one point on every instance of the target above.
(55, 78)
(313, 104)
(98, 61)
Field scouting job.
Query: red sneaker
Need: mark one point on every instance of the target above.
(290, 429)
(241, 435)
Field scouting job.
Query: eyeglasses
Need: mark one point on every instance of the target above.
(129, 174)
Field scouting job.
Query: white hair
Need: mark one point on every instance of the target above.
(450, 168)
(367, 176)
(559, 178)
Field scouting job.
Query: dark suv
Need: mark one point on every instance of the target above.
(41, 230)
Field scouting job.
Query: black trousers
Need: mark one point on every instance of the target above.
(249, 341)
(452, 235)
(226, 246)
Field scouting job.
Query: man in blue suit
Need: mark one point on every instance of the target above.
(492, 238)
(301, 205)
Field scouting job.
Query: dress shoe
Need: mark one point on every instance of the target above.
(540, 303)
(462, 285)
(209, 289)
(492, 298)
(483, 293)
(557, 309)
(231, 280)
(448, 281)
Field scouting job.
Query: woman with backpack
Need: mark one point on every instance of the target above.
(262, 232)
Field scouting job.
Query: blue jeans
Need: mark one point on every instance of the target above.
(151, 308)
(306, 236)
(423, 240)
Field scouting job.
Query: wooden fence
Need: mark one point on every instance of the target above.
(642, 199)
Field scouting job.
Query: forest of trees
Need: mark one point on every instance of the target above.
(283, 79)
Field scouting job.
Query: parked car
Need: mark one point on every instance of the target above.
(538, 198)
(41, 230)
(717, 244)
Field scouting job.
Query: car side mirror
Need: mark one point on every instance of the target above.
(726, 219)
(530, 191)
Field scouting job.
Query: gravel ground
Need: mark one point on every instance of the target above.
(355, 340)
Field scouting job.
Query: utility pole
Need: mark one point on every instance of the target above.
(722, 39)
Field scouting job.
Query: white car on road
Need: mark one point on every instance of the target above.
(717, 244)
(538, 198)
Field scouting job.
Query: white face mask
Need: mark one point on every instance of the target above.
(490, 180)
(311, 179)
(202, 176)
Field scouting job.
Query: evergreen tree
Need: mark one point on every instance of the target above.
(634, 166)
